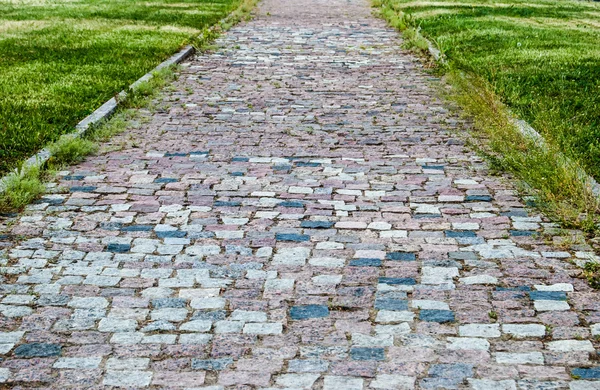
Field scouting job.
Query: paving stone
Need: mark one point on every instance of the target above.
(570, 346)
(524, 330)
(38, 350)
(479, 330)
(263, 328)
(468, 343)
(127, 378)
(391, 381)
(308, 311)
(117, 325)
(489, 384)
(303, 381)
(127, 364)
(78, 363)
(520, 358)
(308, 365)
(342, 383)
(377, 354)
(440, 316)
(211, 364)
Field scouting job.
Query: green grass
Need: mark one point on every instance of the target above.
(61, 59)
(541, 57)
(20, 188)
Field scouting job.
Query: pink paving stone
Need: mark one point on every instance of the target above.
(230, 378)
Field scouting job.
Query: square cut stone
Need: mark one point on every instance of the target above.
(308, 311)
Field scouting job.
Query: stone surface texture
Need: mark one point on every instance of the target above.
(299, 211)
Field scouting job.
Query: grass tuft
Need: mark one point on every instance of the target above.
(70, 150)
(21, 187)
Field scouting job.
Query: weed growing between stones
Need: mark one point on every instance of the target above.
(21, 187)
(70, 150)
(591, 271)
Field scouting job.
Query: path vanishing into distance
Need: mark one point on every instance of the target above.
(300, 212)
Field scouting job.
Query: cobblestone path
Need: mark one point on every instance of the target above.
(298, 213)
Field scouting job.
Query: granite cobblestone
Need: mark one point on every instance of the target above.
(300, 211)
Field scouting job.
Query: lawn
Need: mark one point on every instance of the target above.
(61, 59)
(541, 57)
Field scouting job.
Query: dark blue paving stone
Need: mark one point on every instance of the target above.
(309, 311)
(209, 315)
(522, 233)
(74, 177)
(203, 152)
(165, 180)
(442, 263)
(515, 213)
(160, 303)
(111, 226)
(137, 228)
(170, 234)
(478, 198)
(291, 204)
(118, 248)
(397, 281)
(440, 316)
(211, 364)
(436, 167)
(316, 224)
(9, 215)
(292, 237)
(38, 350)
(4, 236)
(307, 164)
(240, 159)
(401, 256)
(586, 373)
(458, 371)
(176, 154)
(52, 201)
(391, 304)
(236, 174)
(548, 295)
(518, 288)
(222, 203)
(82, 189)
(426, 216)
(365, 263)
(367, 354)
(460, 233)
(282, 167)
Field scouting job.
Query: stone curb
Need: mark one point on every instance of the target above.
(103, 112)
